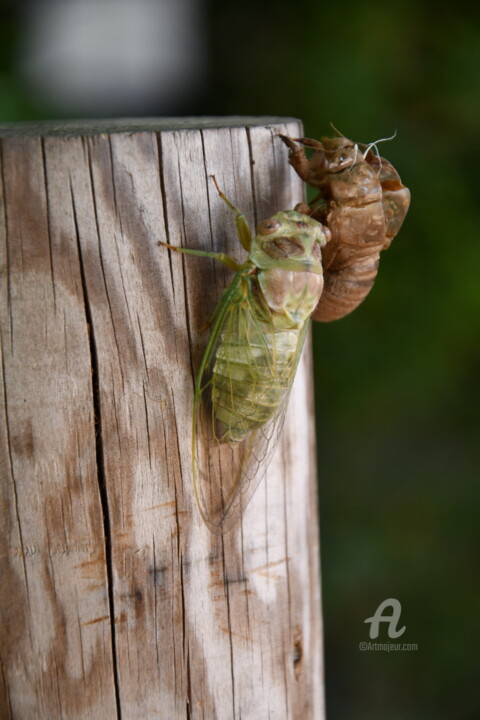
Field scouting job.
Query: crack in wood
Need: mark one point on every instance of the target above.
(100, 460)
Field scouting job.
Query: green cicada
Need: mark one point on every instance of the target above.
(246, 373)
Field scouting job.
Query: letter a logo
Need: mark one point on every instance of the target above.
(392, 619)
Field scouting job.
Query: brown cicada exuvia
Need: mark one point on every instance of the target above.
(362, 201)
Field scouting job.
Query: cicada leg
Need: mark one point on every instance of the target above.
(310, 143)
(243, 228)
(303, 208)
(221, 257)
(297, 158)
(317, 209)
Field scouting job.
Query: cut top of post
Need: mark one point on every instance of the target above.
(134, 125)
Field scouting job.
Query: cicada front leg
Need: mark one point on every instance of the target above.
(225, 259)
(311, 169)
(314, 171)
(243, 229)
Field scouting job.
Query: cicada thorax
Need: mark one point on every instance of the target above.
(363, 202)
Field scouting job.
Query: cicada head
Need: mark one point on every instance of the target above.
(340, 152)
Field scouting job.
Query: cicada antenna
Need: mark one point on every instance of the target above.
(374, 144)
(340, 134)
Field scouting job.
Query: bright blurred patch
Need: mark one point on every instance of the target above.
(113, 56)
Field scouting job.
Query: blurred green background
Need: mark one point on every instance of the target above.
(397, 382)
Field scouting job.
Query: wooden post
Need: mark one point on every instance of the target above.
(116, 599)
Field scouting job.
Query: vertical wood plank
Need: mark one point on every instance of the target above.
(56, 648)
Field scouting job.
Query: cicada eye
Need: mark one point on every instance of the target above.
(267, 227)
(344, 159)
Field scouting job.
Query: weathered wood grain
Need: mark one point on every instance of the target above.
(116, 600)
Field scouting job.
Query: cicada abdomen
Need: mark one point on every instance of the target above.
(247, 370)
(363, 202)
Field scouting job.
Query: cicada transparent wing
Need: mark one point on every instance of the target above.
(241, 396)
